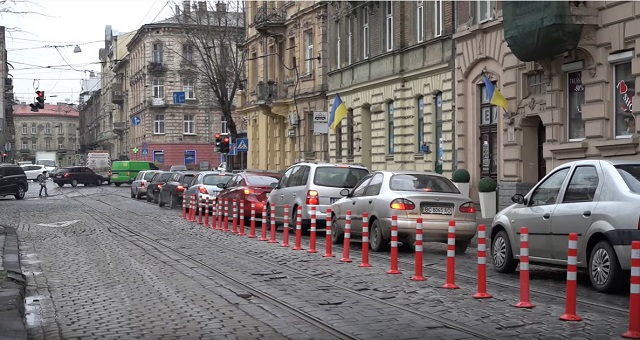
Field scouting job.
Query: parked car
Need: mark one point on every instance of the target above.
(155, 184)
(171, 191)
(205, 184)
(307, 184)
(34, 171)
(597, 199)
(249, 187)
(13, 181)
(407, 195)
(140, 183)
(179, 167)
(126, 171)
(75, 175)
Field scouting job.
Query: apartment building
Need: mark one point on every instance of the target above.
(7, 130)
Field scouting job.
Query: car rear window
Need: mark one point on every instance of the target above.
(262, 180)
(149, 175)
(62, 170)
(164, 176)
(187, 179)
(215, 179)
(419, 182)
(338, 177)
(631, 175)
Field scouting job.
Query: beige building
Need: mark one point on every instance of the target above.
(391, 64)
(54, 128)
(286, 70)
(569, 95)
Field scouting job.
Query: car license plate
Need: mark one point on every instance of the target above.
(334, 199)
(437, 210)
(58, 176)
(266, 195)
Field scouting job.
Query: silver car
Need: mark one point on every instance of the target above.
(597, 199)
(407, 195)
(308, 184)
(205, 184)
(140, 183)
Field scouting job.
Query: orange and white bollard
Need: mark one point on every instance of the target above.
(252, 221)
(263, 235)
(200, 210)
(234, 214)
(206, 212)
(451, 257)
(312, 232)
(417, 273)
(347, 238)
(220, 211)
(214, 214)
(241, 219)
(394, 246)
(285, 232)
(226, 215)
(572, 276)
(482, 264)
(192, 208)
(184, 206)
(327, 241)
(272, 223)
(298, 245)
(634, 294)
(365, 241)
(524, 269)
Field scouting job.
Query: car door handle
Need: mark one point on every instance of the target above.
(586, 213)
(546, 216)
(353, 202)
(370, 201)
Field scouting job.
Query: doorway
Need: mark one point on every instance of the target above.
(542, 137)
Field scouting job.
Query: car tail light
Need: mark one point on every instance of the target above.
(312, 197)
(66, 175)
(468, 208)
(402, 204)
(202, 190)
(142, 184)
(180, 188)
(159, 185)
(248, 192)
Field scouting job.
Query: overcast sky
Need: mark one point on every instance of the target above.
(67, 22)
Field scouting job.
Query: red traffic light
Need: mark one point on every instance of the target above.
(226, 139)
(217, 135)
(40, 94)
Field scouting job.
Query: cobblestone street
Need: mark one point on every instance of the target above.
(102, 265)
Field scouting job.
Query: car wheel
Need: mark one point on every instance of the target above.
(337, 234)
(160, 203)
(61, 184)
(38, 179)
(98, 182)
(20, 194)
(155, 197)
(117, 184)
(138, 195)
(502, 254)
(461, 247)
(148, 197)
(376, 238)
(133, 195)
(604, 268)
(74, 183)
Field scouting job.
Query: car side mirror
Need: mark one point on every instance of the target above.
(222, 185)
(274, 185)
(518, 198)
(345, 192)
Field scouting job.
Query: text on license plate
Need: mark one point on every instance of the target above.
(334, 199)
(437, 210)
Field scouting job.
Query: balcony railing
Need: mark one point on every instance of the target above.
(119, 127)
(157, 102)
(267, 92)
(155, 67)
(117, 95)
(269, 19)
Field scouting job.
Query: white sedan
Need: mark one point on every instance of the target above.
(33, 171)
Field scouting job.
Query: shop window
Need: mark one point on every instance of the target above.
(574, 109)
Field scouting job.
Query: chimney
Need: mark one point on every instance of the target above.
(221, 7)
(186, 7)
(202, 6)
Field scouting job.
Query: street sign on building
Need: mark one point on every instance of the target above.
(242, 144)
(320, 119)
(179, 98)
(145, 151)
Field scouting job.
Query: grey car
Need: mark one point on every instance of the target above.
(408, 195)
(205, 184)
(597, 199)
(140, 183)
(308, 184)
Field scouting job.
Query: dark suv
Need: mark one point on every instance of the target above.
(13, 181)
(172, 190)
(155, 185)
(75, 175)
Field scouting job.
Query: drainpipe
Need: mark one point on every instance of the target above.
(453, 67)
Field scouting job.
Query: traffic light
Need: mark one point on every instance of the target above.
(218, 142)
(39, 101)
(224, 146)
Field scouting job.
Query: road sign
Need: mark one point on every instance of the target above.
(7, 146)
(179, 98)
(145, 151)
(242, 144)
(135, 150)
(233, 150)
(145, 145)
(135, 120)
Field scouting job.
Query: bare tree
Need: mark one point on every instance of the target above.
(217, 36)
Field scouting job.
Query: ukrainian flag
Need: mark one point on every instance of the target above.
(495, 97)
(338, 112)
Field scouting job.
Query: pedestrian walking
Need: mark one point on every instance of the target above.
(43, 183)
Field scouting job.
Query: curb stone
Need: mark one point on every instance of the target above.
(12, 287)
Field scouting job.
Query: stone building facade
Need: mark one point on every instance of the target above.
(391, 63)
(54, 128)
(565, 103)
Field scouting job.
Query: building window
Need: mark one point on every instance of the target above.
(338, 47)
(420, 21)
(623, 94)
(350, 137)
(187, 53)
(158, 124)
(34, 129)
(47, 144)
(389, 25)
(536, 84)
(576, 99)
(25, 129)
(365, 32)
(420, 123)
(34, 146)
(308, 53)
(339, 141)
(189, 89)
(158, 88)
(254, 68)
(309, 133)
(484, 10)
(60, 129)
(47, 129)
(61, 146)
(190, 157)
(292, 56)
(439, 137)
(157, 53)
(224, 128)
(189, 124)
(437, 20)
(488, 136)
(158, 156)
(349, 39)
(390, 127)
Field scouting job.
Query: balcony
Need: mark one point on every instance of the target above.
(158, 103)
(269, 20)
(117, 96)
(267, 92)
(119, 127)
(156, 68)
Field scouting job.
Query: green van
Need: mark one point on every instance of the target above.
(126, 171)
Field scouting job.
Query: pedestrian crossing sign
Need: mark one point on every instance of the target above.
(242, 144)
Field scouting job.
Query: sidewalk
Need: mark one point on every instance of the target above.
(12, 287)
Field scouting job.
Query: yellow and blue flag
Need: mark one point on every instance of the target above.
(495, 97)
(338, 112)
